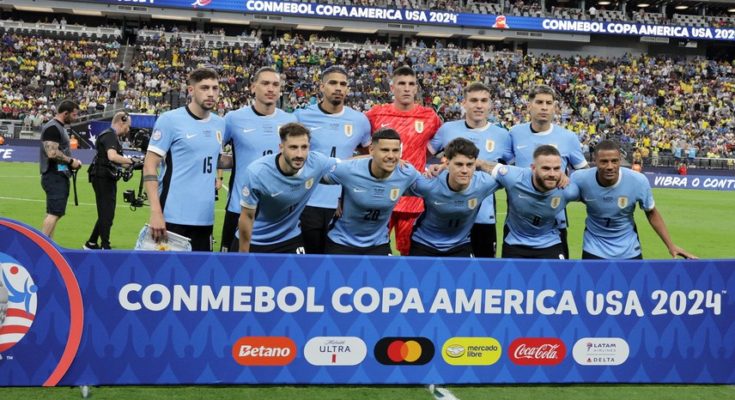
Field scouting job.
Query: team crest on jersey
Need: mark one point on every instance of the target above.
(245, 191)
(622, 201)
(472, 203)
(309, 183)
(348, 130)
(218, 135)
(156, 134)
(489, 145)
(555, 201)
(419, 125)
(394, 194)
(502, 170)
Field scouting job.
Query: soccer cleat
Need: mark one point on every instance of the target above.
(91, 246)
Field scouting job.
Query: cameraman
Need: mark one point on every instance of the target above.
(103, 173)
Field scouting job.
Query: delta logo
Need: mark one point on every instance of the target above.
(335, 351)
(600, 351)
(471, 351)
(404, 351)
(537, 351)
(254, 351)
(19, 310)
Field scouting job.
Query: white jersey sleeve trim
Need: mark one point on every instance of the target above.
(156, 150)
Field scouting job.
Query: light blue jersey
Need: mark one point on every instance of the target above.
(278, 198)
(253, 136)
(531, 214)
(494, 144)
(367, 202)
(190, 149)
(448, 215)
(525, 141)
(610, 227)
(335, 135)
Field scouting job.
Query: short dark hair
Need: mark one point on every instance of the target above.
(386, 133)
(201, 74)
(546, 150)
(334, 69)
(403, 70)
(541, 89)
(607, 145)
(293, 129)
(476, 87)
(67, 105)
(261, 70)
(461, 146)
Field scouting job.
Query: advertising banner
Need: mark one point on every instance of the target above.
(122, 317)
(705, 182)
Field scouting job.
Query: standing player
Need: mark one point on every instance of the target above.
(452, 201)
(186, 144)
(253, 132)
(540, 131)
(277, 187)
(610, 194)
(336, 131)
(534, 200)
(371, 188)
(57, 164)
(494, 144)
(416, 125)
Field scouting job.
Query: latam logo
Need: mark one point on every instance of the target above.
(264, 351)
(404, 351)
(335, 350)
(600, 351)
(21, 304)
(471, 351)
(537, 351)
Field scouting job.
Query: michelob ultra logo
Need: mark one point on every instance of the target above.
(471, 351)
(335, 350)
(264, 351)
(404, 351)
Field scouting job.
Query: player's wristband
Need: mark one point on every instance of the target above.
(150, 178)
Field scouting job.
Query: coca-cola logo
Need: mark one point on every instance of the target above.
(537, 351)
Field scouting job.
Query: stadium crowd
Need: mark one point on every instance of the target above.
(37, 72)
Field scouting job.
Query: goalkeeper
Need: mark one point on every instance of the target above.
(104, 173)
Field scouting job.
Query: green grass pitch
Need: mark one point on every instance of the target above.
(699, 221)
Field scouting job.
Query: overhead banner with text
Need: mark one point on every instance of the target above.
(121, 317)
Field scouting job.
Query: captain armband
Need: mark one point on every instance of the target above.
(150, 178)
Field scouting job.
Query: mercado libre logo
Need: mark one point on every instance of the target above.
(33, 270)
(22, 303)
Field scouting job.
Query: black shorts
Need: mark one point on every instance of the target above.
(484, 240)
(56, 186)
(200, 235)
(555, 252)
(379, 250)
(315, 223)
(418, 249)
(590, 256)
(290, 246)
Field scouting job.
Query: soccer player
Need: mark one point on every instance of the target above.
(417, 125)
(186, 144)
(336, 131)
(534, 200)
(57, 164)
(277, 187)
(253, 132)
(451, 201)
(610, 194)
(371, 188)
(494, 144)
(540, 131)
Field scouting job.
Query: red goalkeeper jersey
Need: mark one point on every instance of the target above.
(416, 126)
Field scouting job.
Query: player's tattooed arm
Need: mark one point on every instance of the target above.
(54, 153)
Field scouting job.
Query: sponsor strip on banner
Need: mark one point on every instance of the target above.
(691, 182)
(591, 351)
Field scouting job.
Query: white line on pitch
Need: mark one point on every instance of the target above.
(440, 393)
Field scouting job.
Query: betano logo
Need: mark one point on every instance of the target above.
(404, 351)
(335, 350)
(264, 351)
(537, 351)
(21, 304)
(471, 351)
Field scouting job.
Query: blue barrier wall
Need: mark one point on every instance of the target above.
(126, 317)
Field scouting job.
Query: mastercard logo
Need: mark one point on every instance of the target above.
(404, 351)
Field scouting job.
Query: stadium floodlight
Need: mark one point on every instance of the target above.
(359, 30)
(91, 13)
(34, 9)
(434, 34)
(732, 10)
(603, 3)
(304, 27)
(681, 7)
(643, 5)
(230, 21)
(171, 17)
(487, 38)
